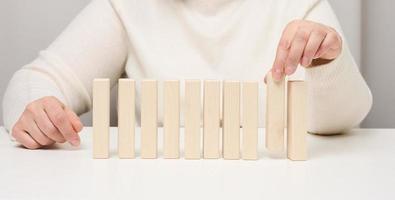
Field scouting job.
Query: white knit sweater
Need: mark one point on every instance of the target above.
(187, 39)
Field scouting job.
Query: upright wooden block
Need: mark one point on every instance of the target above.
(171, 121)
(149, 118)
(101, 117)
(192, 119)
(297, 120)
(211, 119)
(250, 120)
(126, 118)
(275, 115)
(231, 120)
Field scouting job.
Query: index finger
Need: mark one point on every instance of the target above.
(283, 50)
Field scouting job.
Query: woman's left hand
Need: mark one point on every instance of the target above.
(303, 42)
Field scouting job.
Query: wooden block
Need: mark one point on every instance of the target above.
(126, 118)
(171, 119)
(297, 120)
(250, 120)
(211, 119)
(231, 120)
(101, 117)
(275, 115)
(192, 119)
(149, 118)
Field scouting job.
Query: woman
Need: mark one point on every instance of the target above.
(186, 39)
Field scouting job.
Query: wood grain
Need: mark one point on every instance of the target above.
(126, 118)
(192, 122)
(231, 120)
(211, 119)
(297, 120)
(250, 120)
(275, 115)
(101, 117)
(149, 118)
(171, 121)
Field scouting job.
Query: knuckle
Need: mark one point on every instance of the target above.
(48, 100)
(31, 107)
(319, 32)
(295, 22)
(301, 35)
(45, 100)
(59, 118)
(332, 37)
(284, 43)
(23, 119)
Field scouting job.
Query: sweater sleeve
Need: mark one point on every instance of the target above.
(339, 97)
(94, 45)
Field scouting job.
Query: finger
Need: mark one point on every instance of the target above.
(44, 123)
(25, 139)
(48, 128)
(30, 126)
(296, 50)
(282, 51)
(279, 63)
(268, 74)
(60, 119)
(315, 40)
(75, 120)
(329, 47)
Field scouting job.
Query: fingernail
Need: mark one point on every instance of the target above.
(80, 127)
(75, 142)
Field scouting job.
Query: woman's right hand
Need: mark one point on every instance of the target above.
(47, 121)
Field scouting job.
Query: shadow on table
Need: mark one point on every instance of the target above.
(56, 147)
(320, 146)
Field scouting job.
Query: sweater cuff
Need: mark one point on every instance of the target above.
(333, 74)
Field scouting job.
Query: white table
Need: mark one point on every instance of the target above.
(359, 165)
